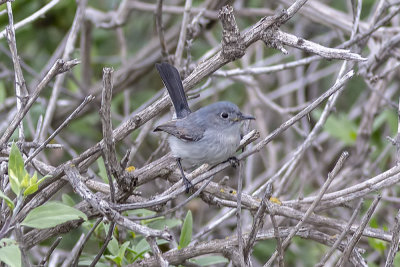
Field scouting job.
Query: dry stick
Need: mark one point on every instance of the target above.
(304, 61)
(238, 216)
(75, 179)
(394, 245)
(327, 183)
(279, 247)
(176, 257)
(182, 35)
(341, 236)
(257, 224)
(19, 238)
(357, 235)
(32, 17)
(65, 123)
(210, 14)
(160, 29)
(75, 261)
(59, 66)
(50, 251)
(109, 154)
(171, 196)
(157, 252)
(69, 47)
(109, 237)
(20, 86)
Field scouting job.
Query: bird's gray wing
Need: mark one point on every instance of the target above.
(191, 131)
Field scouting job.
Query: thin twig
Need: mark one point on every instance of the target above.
(50, 251)
(322, 191)
(258, 221)
(75, 261)
(160, 29)
(157, 252)
(342, 235)
(182, 35)
(109, 237)
(65, 123)
(394, 245)
(59, 66)
(357, 235)
(239, 217)
(69, 47)
(33, 17)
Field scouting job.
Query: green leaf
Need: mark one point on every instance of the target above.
(34, 184)
(209, 260)
(30, 190)
(51, 214)
(14, 181)
(377, 244)
(139, 212)
(9, 202)
(10, 253)
(122, 249)
(67, 200)
(162, 223)
(342, 128)
(186, 233)
(113, 247)
(16, 169)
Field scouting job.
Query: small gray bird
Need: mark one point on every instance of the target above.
(210, 135)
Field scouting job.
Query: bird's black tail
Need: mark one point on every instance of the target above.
(170, 76)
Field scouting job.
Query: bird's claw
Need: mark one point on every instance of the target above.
(187, 183)
(234, 162)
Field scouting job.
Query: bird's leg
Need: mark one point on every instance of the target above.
(233, 161)
(188, 184)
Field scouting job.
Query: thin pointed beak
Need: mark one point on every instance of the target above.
(246, 117)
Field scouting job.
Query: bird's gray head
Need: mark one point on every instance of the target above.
(223, 114)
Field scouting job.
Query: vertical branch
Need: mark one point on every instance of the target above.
(257, 224)
(238, 215)
(160, 30)
(85, 45)
(20, 86)
(182, 35)
(110, 157)
(19, 238)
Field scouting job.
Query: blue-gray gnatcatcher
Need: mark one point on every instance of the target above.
(210, 135)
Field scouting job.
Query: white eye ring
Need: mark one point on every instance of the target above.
(224, 115)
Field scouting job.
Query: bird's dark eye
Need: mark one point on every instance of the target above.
(224, 115)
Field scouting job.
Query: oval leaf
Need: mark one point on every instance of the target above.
(10, 253)
(16, 167)
(9, 202)
(51, 214)
(186, 233)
